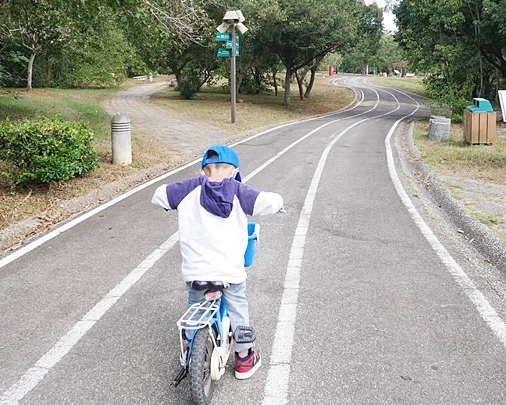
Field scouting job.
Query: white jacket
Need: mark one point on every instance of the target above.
(213, 224)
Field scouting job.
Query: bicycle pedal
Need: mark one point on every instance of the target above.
(245, 334)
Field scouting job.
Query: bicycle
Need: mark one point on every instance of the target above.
(206, 347)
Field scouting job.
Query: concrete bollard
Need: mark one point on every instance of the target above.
(121, 139)
(439, 128)
(150, 77)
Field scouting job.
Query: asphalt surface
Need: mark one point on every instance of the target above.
(364, 292)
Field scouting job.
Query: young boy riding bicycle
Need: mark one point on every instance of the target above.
(213, 214)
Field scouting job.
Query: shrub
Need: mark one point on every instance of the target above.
(447, 98)
(188, 86)
(47, 150)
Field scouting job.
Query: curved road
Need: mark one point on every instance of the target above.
(361, 293)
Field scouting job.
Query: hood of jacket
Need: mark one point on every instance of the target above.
(218, 197)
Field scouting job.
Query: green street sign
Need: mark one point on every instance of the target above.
(225, 53)
(229, 45)
(223, 36)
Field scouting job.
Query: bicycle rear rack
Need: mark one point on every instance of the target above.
(198, 315)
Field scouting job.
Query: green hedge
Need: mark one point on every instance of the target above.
(47, 150)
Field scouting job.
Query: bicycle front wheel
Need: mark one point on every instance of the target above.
(201, 384)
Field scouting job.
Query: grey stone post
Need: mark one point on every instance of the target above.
(121, 139)
(439, 128)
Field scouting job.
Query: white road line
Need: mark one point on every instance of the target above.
(277, 384)
(43, 239)
(36, 373)
(486, 311)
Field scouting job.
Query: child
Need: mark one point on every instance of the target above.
(212, 216)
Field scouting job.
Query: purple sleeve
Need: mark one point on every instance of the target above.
(176, 192)
(247, 197)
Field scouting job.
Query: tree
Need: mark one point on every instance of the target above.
(389, 56)
(87, 31)
(489, 23)
(458, 42)
(302, 32)
(369, 33)
(175, 38)
(33, 24)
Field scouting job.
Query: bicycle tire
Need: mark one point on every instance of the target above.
(201, 384)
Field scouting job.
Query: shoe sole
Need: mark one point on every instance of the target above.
(248, 374)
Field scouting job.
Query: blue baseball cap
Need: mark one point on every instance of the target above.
(224, 155)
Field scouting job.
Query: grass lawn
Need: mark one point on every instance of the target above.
(455, 157)
(72, 105)
(413, 85)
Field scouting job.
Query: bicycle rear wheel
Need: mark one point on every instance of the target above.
(201, 384)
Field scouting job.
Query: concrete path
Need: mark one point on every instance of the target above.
(187, 138)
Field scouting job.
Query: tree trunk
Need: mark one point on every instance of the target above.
(497, 79)
(299, 84)
(30, 72)
(275, 81)
(365, 69)
(178, 75)
(258, 80)
(482, 80)
(286, 101)
(238, 81)
(307, 95)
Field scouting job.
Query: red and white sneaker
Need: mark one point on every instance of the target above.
(245, 368)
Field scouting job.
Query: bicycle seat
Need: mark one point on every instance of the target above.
(207, 285)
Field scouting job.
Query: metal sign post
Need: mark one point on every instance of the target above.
(232, 19)
(233, 82)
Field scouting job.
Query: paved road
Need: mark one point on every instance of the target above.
(361, 294)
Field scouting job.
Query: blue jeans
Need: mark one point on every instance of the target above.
(237, 307)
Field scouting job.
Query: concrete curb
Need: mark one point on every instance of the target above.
(491, 247)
